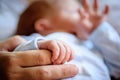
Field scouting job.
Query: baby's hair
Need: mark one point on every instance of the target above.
(38, 9)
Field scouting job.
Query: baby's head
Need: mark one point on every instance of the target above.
(48, 16)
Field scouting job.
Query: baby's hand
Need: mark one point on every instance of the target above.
(61, 52)
(92, 17)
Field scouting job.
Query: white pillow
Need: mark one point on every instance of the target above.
(9, 15)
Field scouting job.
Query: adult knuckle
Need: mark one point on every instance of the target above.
(42, 74)
(64, 72)
(40, 59)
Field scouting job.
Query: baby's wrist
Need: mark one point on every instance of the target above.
(40, 43)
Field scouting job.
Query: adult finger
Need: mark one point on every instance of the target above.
(50, 72)
(11, 43)
(33, 58)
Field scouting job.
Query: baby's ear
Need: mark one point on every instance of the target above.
(41, 25)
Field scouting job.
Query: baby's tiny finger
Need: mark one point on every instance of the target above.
(71, 55)
(95, 5)
(86, 5)
(67, 55)
(61, 52)
(81, 13)
(55, 50)
(106, 10)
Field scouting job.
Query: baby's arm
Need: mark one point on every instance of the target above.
(11, 43)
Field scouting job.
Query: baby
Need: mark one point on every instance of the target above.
(49, 16)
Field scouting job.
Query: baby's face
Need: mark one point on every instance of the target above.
(67, 18)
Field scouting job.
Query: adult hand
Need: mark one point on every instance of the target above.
(32, 65)
(11, 43)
